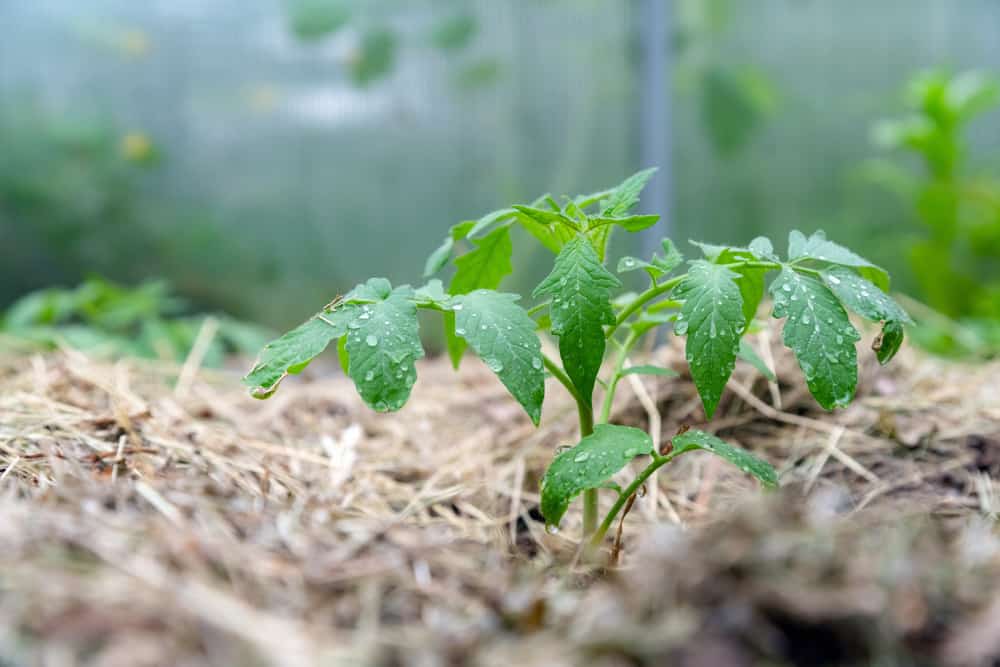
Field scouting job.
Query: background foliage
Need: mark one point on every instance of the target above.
(247, 151)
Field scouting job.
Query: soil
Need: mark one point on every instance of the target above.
(154, 521)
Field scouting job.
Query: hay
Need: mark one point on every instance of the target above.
(151, 522)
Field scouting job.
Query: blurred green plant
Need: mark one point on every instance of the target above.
(734, 101)
(68, 196)
(313, 20)
(455, 32)
(377, 52)
(375, 56)
(956, 209)
(146, 321)
(74, 199)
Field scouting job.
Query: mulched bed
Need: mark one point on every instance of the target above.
(148, 521)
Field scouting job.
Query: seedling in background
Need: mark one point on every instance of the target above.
(956, 206)
(712, 304)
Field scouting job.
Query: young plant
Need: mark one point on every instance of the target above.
(956, 209)
(146, 321)
(713, 304)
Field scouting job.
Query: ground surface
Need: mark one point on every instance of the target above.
(147, 521)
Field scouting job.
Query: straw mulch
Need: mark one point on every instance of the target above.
(159, 516)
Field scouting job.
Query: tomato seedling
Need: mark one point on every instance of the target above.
(713, 304)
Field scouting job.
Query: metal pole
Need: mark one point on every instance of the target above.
(655, 141)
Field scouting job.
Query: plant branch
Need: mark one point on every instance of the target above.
(559, 374)
(657, 462)
(585, 411)
(609, 395)
(641, 300)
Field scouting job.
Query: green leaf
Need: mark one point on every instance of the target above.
(439, 257)
(432, 295)
(742, 459)
(624, 197)
(484, 266)
(370, 291)
(751, 278)
(489, 220)
(546, 217)
(383, 342)
(762, 247)
(649, 370)
(376, 56)
(820, 334)
(454, 344)
(626, 264)
(312, 20)
(749, 355)
(342, 356)
(712, 317)
(503, 335)
(455, 32)
(818, 248)
(888, 342)
(553, 237)
(863, 297)
(751, 284)
(589, 465)
(581, 288)
(292, 352)
(632, 223)
(672, 257)
(461, 230)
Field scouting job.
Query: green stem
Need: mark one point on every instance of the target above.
(559, 374)
(641, 300)
(586, 414)
(623, 497)
(754, 265)
(585, 411)
(609, 395)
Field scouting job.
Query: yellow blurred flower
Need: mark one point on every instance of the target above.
(136, 147)
(134, 42)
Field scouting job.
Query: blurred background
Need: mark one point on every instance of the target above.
(258, 157)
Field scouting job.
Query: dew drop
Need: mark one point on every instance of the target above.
(494, 364)
(536, 363)
(372, 340)
(369, 376)
(457, 306)
(460, 332)
(834, 280)
(581, 457)
(786, 287)
(551, 528)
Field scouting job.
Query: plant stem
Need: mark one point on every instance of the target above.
(585, 411)
(609, 395)
(586, 414)
(623, 497)
(643, 298)
(559, 374)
